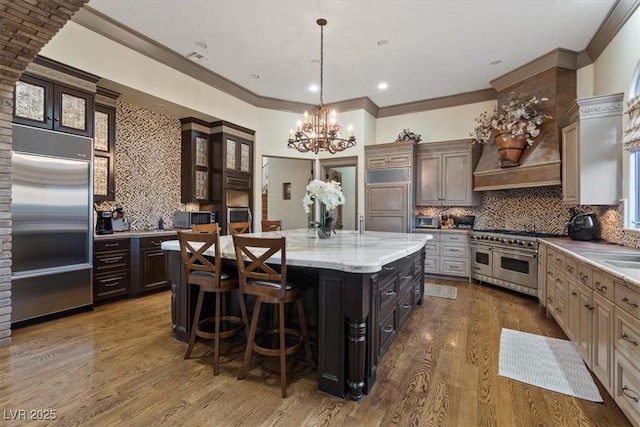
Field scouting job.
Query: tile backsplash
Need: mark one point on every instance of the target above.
(147, 167)
(540, 209)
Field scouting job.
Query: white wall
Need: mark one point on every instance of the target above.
(434, 125)
(290, 212)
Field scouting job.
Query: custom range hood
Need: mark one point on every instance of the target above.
(540, 164)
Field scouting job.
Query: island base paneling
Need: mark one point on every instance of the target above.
(342, 311)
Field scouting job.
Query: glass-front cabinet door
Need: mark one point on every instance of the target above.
(238, 155)
(104, 153)
(202, 168)
(231, 159)
(245, 157)
(33, 102)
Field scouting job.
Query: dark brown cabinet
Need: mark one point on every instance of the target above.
(150, 264)
(196, 158)
(104, 142)
(44, 104)
(111, 269)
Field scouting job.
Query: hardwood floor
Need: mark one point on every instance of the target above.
(120, 365)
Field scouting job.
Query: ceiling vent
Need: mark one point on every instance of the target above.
(195, 56)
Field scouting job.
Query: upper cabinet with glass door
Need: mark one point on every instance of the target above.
(104, 142)
(238, 155)
(233, 147)
(44, 104)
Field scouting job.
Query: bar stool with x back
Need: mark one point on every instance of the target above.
(271, 225)
(206, 273)
(269, 286)
(239, 227)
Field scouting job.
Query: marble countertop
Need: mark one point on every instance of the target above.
(442, 230)
(592, 253)
(346, 251)
(135, 233)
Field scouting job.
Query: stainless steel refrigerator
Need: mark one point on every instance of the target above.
(52, 223)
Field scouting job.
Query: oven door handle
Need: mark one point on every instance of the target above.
(524, 254)
(480, 246)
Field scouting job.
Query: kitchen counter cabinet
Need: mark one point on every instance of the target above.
(602, 321)
(111, 269)
(149, 263)
(447, 254)
(444, 174)
(361, 288)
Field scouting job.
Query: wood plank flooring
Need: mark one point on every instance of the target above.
(119, 365)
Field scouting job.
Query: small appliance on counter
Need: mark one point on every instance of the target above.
(464, 221)
(119, 222)
(425, 221)
(584, 226)
(185, 219)
(104, 222)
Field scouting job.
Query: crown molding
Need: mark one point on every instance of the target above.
(617, 17)
(113, 30)
(437, 103)
(561, 58)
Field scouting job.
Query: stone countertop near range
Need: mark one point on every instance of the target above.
(442, 230)
(346, 251)
(136, 233)
(592, 252)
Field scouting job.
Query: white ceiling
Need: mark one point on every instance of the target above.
(436, 47)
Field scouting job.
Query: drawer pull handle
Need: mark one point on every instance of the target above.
(559, 280)
(569, 269)
(589, 307)
(625, 389)
(558, 310)
(629, 340)
(575, 294)
(112, 260)
(387, 329)
(600, 287)
(632, 304)
(390, 293)
(111, 245)
(406, 305)
(388, 267)
(154, 243)
(112, 279)
(454, 250)
(408, 276)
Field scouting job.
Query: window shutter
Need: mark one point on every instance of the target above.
(631, 140)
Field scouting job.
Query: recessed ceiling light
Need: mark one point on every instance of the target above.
(495, 62)
(254, 76)
(383, 86)
(313, 88)
(315, 61)
(201, 44)
(383, 42)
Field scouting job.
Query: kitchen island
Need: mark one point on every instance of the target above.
(361, 289)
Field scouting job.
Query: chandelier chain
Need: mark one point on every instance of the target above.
(321, 62)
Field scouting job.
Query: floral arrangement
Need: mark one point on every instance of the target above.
(330, 196)
(516, 117)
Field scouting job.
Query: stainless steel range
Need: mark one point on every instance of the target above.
(506, 258)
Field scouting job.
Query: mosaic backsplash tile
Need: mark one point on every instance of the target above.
(537, 209)
(147, 165)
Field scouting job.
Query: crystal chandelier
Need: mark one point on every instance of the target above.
(320, 131)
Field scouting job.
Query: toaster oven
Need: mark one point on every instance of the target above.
(185, 219)
(424, 221)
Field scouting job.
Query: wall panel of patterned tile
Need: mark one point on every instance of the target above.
(538, 208)
(147, 165)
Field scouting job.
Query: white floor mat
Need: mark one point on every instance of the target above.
(549, 363)
(440, 291)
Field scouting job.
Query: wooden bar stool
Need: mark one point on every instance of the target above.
(239, 228)
(271, 225)
(201, 271)
(269, 287)
(205, 228)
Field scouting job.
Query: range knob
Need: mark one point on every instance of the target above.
(485, 237)
(510, 241)
(503, 240)
(493, 238)
(521, 242)
(530, 244)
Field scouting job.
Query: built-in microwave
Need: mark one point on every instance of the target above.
(185, 219)
(424, 221)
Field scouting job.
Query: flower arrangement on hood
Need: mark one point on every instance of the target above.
(517, 117)
(330, 196)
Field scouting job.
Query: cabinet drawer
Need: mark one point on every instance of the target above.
(405, 282)
(556, 258)
(387, 297)
(571, 266)
(404, 310)
(454, 249)
(111, 261)
(387, 270)
(111, 245)
(454, 237)
(432, 248)
(628, 299)
(387, 331)
(154, 241)
(626, 391)
(603, 285)
(112, 284)
(627, 334)
(431, 264)
(454, 266)
(585, 274)
(237, 181)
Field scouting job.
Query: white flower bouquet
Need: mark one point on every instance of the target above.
(330, 196)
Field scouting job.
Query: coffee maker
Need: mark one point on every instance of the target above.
(104, 222)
